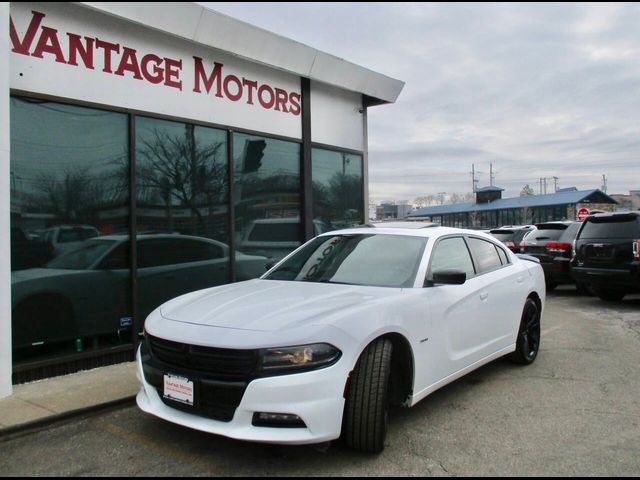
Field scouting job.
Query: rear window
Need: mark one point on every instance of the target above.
(547, 231)
(570, 233)
(502, 235)
(617, 226)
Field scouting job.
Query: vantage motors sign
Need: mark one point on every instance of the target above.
(68, 51)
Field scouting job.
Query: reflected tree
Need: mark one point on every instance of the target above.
(177, 171)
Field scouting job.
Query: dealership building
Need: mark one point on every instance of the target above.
(150, 150)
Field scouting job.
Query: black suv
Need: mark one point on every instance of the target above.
(607, 254)
(535, 244)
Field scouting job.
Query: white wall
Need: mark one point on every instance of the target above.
(5, 252)
(337, 117)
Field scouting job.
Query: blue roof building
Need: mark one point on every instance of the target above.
(490, 210)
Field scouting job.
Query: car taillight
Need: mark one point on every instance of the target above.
(557, 247)
(521, 247)
(636, 249)
(511, 246)
(574, 250)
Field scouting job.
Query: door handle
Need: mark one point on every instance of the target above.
(484, 295)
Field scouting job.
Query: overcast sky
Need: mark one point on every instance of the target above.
(538, 90)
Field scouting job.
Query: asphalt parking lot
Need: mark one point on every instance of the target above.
(574, 412)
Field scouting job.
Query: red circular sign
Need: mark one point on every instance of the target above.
(582, 214)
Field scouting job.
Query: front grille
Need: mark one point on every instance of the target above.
(218, 362)
(220, 375)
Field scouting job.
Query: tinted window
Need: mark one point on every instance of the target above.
(69, 172)
(451, 253)
(375, 260)
(186, 251)
(619, 226)
(338, 188)
(266, 186)
(570, 233)
(182, 180)
(485, 254)
(549, 231)
(503, 235)
(275, 232)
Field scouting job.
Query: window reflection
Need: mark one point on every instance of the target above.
(182, 211)
(338, 189)
(267, 199)
(69, 208)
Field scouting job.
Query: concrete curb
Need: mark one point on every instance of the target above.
(65, 416)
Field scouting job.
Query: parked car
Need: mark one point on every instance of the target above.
(85, 292)
(353, 321)
(275, 237)
(27, 252)
(63, 238)
(557, 262)
(535, 244)
(512, 235)
(607, 254)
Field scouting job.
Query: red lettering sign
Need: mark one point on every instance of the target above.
(41, 41)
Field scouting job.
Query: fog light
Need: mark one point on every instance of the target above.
(277, 420)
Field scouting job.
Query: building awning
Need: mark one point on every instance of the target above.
(213, 29)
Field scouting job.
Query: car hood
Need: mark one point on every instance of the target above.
(271, 305)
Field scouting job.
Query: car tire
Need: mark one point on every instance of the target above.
(367, 401)
(609, 295)
(584, 289)
(528, 340)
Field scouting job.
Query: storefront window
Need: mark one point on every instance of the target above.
(338, 189)
(267, 196)
(181, 210)
(70, 277)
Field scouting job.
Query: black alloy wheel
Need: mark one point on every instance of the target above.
(528, 341)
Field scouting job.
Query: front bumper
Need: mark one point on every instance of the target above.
(316, 397)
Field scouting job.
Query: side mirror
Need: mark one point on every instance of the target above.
(449, 277)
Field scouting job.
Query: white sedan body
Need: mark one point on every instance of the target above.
(451, 330)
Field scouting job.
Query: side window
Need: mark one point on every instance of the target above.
(485, 254)
(154, 253)
(503, 256)
(186, 251)
(451, 253)
(118, 259)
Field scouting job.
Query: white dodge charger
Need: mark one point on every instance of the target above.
(349, 324)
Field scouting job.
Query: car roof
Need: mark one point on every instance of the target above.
(414, 229)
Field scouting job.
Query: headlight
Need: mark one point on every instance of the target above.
(300, 358)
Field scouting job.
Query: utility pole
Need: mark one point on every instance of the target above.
(555, 184)
(474, 182)
(604, 183)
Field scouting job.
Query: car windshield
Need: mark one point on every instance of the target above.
(83, 257)
(359, 259)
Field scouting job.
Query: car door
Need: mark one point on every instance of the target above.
(169, 267)
(469, 322)
(453, 313)
(501, 295)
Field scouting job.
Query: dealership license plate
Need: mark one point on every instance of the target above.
(178, 389)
